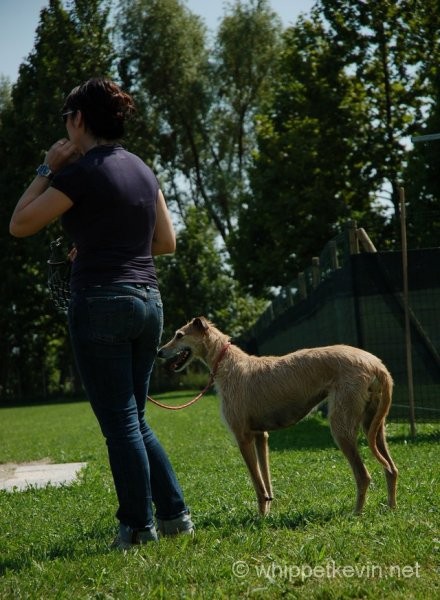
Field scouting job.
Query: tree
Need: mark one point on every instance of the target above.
(387, 45)
(31, 332)
(5, 94)
(195, 281)
(422, 184)
(202, 103)
(309, 172)
(421, 178)
(350, 87)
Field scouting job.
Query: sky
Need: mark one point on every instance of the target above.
(19, 20)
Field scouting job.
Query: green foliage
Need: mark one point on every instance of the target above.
(264, 144)
(386, 45)
(422, 184)
(55, 541)
(163, 61)
(350, 85)
(309, 173)
(202, 102)
(31, 365)
(196, 282)
(5, 94)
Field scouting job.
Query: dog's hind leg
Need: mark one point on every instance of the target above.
(262, 447)
(391, 476)
(249, 452)
(346, 438)
(392, 473)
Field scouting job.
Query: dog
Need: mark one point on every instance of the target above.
(264, 393)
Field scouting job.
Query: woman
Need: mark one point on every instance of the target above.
(111, 206)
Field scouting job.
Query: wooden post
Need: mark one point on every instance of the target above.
(302, 287)
(316, 272)
(333, 255)
(365, 241)
(352, 237)
(412, 417)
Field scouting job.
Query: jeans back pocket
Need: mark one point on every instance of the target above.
(111, 318)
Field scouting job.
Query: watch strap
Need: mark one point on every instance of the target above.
(45, 171)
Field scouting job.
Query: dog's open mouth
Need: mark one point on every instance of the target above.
(179, 361)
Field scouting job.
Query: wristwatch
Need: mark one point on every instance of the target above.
(45, 171)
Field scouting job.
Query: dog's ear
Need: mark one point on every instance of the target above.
(201, 324)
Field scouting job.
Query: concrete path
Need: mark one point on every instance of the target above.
(18, 477)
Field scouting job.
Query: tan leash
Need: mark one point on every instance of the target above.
(167, 406)
(203, 392)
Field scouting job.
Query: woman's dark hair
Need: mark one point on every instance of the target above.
(103, 105)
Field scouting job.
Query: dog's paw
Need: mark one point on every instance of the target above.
(264, 507)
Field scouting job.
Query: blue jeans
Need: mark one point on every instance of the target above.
(115, 332)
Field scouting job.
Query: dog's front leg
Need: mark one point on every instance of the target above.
(249, 453)
(262, 446)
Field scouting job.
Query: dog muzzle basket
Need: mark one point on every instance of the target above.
(58, 282)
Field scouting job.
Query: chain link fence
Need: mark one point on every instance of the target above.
(352, 294)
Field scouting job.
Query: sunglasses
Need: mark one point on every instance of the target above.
(66, 114)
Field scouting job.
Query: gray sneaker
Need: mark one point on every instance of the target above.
(128, 537)
(181, 525)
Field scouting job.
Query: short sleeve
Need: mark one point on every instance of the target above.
(72, 182)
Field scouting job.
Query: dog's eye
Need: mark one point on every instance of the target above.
(179, 335)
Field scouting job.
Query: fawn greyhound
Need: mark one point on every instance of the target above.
(260, 394)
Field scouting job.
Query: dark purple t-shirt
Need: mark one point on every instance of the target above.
(112, 219)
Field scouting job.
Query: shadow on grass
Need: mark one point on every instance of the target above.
(172, 397)
(249, 522)
(314, 433)
(254, 522)
(310, 433)
(303, 519)
(21, 561)
(421, 438)
(31, 402)
(26, 560)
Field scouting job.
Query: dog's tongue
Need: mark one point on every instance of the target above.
(174, 363)
(170, 365)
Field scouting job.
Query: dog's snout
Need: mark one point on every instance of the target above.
(160, 353)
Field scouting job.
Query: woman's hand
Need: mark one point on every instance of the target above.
(71, 255)
(60, 154)
(40, 204)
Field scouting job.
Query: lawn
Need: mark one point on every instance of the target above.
(54, 543)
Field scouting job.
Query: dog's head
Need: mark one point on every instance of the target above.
(186, 345)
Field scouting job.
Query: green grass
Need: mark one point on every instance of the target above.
(54, 543)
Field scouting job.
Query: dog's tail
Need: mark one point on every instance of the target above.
(385, 395)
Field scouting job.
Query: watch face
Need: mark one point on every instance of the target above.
(44, 171)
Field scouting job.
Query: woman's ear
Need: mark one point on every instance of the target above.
(78, 119)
